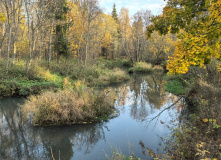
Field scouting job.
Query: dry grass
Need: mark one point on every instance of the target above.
(114, 76)
(158, 68)
(141, 67)
(118, 75)
(69, 107)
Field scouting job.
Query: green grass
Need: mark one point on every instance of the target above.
(175, 87)
(17, 83)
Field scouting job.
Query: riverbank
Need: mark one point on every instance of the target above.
(42, 76)
(200, 135)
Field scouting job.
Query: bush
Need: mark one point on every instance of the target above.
(127, 63)
(69, 107)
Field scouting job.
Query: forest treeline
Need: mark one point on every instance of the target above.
(76, 29)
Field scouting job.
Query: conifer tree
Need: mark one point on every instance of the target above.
(114, 13)
(62, 44)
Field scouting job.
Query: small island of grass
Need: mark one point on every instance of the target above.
(69, 107)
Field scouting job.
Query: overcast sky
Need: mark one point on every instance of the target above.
(155, 6)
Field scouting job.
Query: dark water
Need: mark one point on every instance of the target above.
(139, 100)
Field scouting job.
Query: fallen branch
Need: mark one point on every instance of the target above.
(165, 109)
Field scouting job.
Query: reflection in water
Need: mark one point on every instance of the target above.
(20, 140)
(147, 95)
(138, 100)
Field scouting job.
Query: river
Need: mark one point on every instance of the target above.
(139, 101)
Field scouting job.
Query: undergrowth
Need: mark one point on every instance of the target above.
(42, 76)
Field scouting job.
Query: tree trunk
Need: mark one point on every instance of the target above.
(9, 44)
(14, 55)
(51, 32)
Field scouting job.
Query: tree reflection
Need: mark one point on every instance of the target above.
(19, 140)
(155, 93)
(147, 95)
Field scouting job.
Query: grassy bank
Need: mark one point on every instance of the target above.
(103, 72)
(143, 67)
(42, 77)
(17, 83)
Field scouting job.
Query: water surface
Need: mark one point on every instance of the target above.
(139, 101)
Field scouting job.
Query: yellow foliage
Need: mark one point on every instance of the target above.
(2, 18)
(67, 83)
(199, 41)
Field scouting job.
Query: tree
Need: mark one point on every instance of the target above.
(62, 44)
(160, 47)
(109, 35)
(138, 37)
(198, 23)
(114, 13)
(127, 36)
(91, 11)
(141, 44)
(77, 29)
(118, 38)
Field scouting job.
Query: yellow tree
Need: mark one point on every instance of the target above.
(109, 32)
(77, 29)
(126, 31)
(160, 47)
(200, 26)
(2, 30)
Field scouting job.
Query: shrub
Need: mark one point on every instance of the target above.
(127, 63)
(69, 107)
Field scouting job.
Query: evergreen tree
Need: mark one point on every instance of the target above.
(62, 44)
(114, 13)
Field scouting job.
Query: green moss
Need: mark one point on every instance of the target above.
(175, 87)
